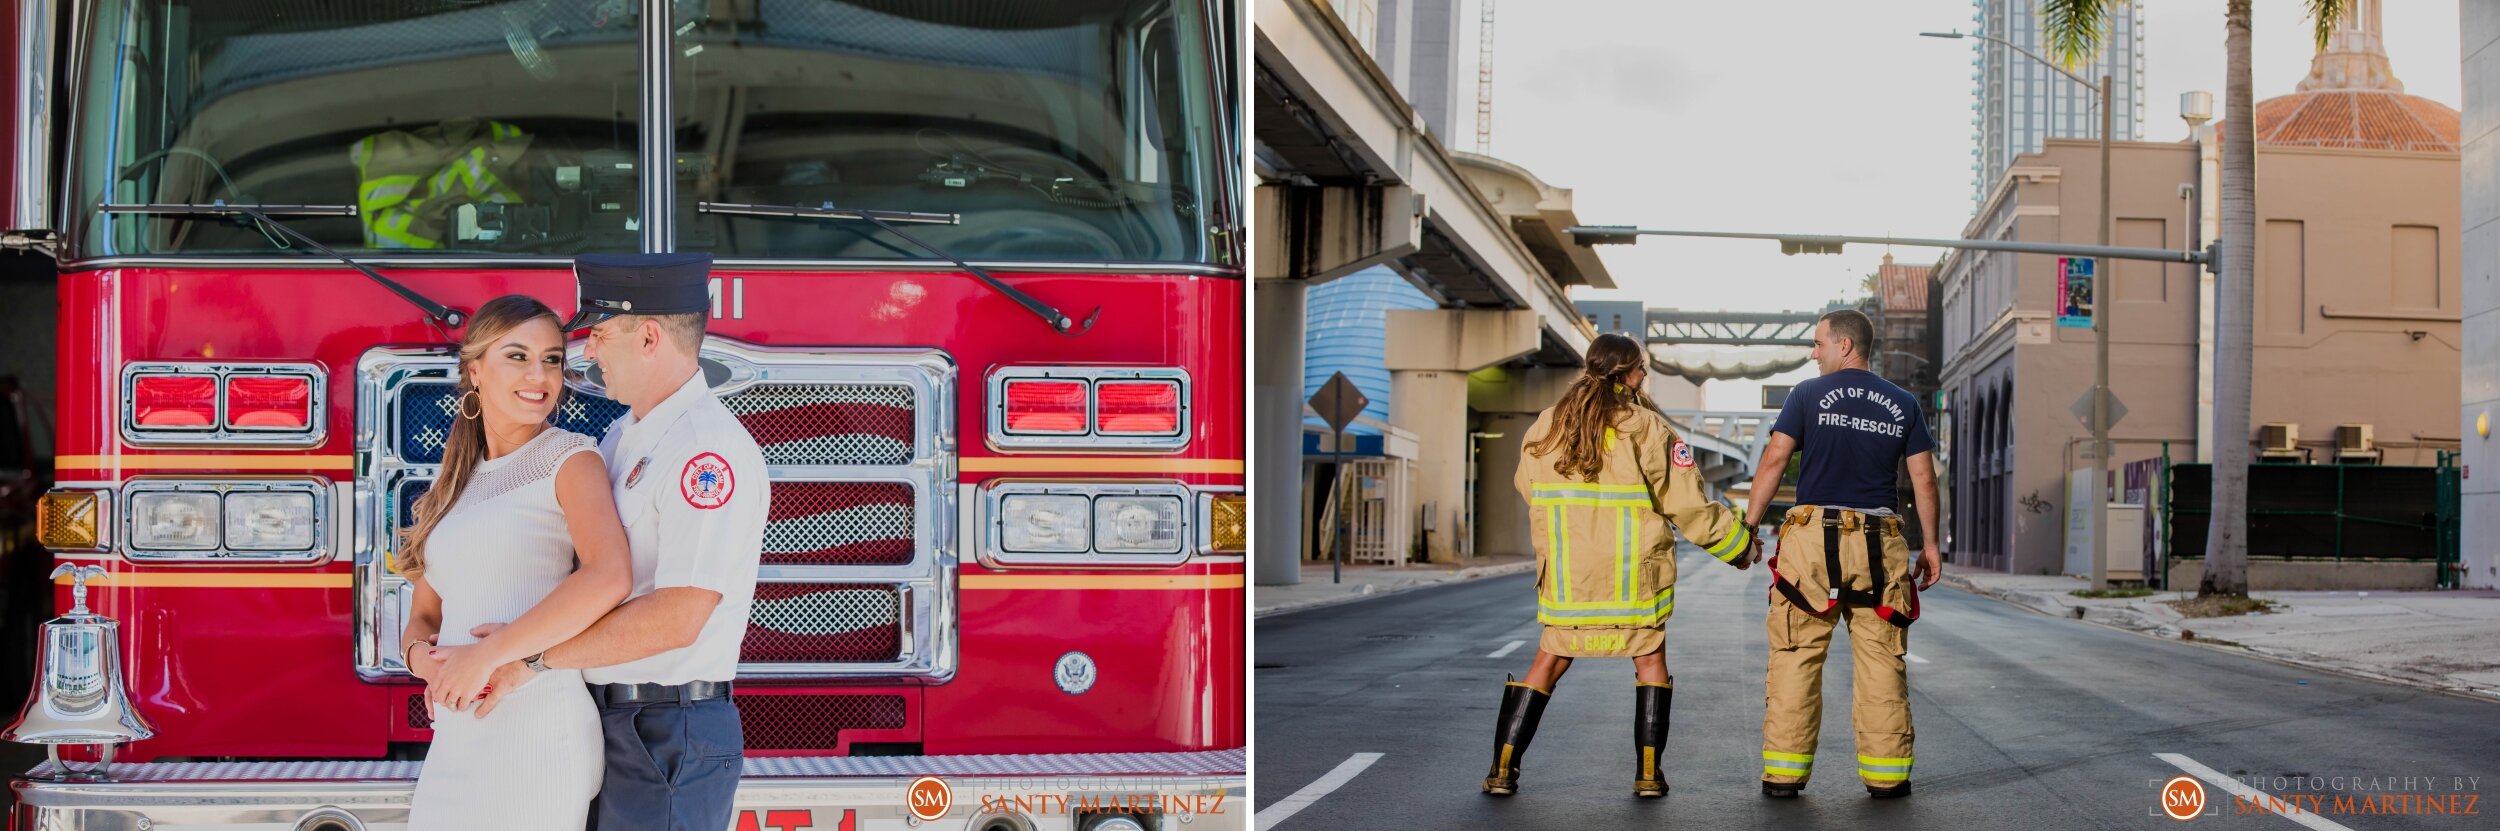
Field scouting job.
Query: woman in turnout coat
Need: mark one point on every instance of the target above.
(1604, 475)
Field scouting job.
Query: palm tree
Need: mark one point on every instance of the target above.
(2074, 30)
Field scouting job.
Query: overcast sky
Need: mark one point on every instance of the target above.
(1829, 116)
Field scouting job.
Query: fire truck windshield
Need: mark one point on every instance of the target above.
(1074, 131)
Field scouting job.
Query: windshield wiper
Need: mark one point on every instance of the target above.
(445, 315)
(1059, 321)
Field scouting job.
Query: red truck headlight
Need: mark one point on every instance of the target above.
(1089, 408)
(1044, 407)
(174, 401)
(1137, 408)
(269, 402)
(223, 403)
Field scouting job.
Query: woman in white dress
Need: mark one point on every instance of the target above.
(497, 538)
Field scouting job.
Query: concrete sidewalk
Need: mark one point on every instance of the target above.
(1364, 581)
(2431, 639)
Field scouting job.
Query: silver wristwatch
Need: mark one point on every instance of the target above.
(536, 663)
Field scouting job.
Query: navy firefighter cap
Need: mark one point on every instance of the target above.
(640, 284)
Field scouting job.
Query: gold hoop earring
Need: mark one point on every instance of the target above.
(467, 397)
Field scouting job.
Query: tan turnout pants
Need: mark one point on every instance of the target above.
(1792, 716)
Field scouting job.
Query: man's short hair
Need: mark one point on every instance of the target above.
(1853, 326)
(688, 329)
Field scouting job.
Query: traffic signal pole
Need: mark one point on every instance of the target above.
(2209, 257)
(1830, 244)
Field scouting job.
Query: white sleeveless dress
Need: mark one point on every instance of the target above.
(536, 761)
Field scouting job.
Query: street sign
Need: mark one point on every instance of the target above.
(1339, 402)
(2083, 409)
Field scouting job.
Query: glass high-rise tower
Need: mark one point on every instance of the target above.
(2017, 102)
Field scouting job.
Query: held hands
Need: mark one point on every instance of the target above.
(503, 680)
(1929, 568)
(509, 677)
(461, 678)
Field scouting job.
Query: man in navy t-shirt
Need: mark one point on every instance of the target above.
(1842, 560)
(1854, 428)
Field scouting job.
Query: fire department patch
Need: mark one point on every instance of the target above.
(635, 477)
(707, 481)
(1682, 454)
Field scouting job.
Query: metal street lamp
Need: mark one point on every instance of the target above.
(2101, 307)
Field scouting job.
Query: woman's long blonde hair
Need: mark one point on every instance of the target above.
(467, 444)
(1594, 402)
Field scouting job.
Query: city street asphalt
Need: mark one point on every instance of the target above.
(2023, 720)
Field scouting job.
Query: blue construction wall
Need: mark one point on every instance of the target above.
(1346, 330)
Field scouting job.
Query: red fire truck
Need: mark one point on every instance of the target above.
(978, 294)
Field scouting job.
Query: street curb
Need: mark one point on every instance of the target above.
(2010, 598)
(1460, 576)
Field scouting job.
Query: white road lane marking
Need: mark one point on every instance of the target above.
(1914, 658)
(1287, 807)
(1507, 649)
(2271, 804)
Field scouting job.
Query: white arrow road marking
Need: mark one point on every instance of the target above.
(1287, 807)
(1506, 649)
(2273, 805)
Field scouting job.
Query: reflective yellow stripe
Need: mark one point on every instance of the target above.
(1590, 502)
(1734, 543)
(1590, 486)
(1553, 548)
(1608, 612)
(1610, 438)
(1623, 552)
(1883, 775)
(1562, 557)
(1882, 760)
(1790, 764)
(1662, 597)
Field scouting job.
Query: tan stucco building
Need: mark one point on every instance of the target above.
(2357, 301)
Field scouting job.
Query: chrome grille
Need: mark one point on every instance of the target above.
(828, 424)
(840, 524)
(816, 622)
(774, 721)
(858, 546)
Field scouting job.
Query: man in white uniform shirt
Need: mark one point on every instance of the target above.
(691, 488)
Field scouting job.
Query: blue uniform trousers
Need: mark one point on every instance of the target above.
(671, 766)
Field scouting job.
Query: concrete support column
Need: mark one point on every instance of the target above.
(1432, 403)
(1429, 356)
(1501, 515)
(1276, 422)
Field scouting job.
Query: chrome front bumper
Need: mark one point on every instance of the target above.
(1201, 791)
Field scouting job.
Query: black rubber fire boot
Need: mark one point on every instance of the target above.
(1649, 733)
(1513, 728)
(1782, 790)
(1894, 792)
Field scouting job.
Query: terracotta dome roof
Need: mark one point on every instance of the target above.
(2358, 119)
(2352, 99)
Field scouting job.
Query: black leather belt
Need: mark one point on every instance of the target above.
(686, 693)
